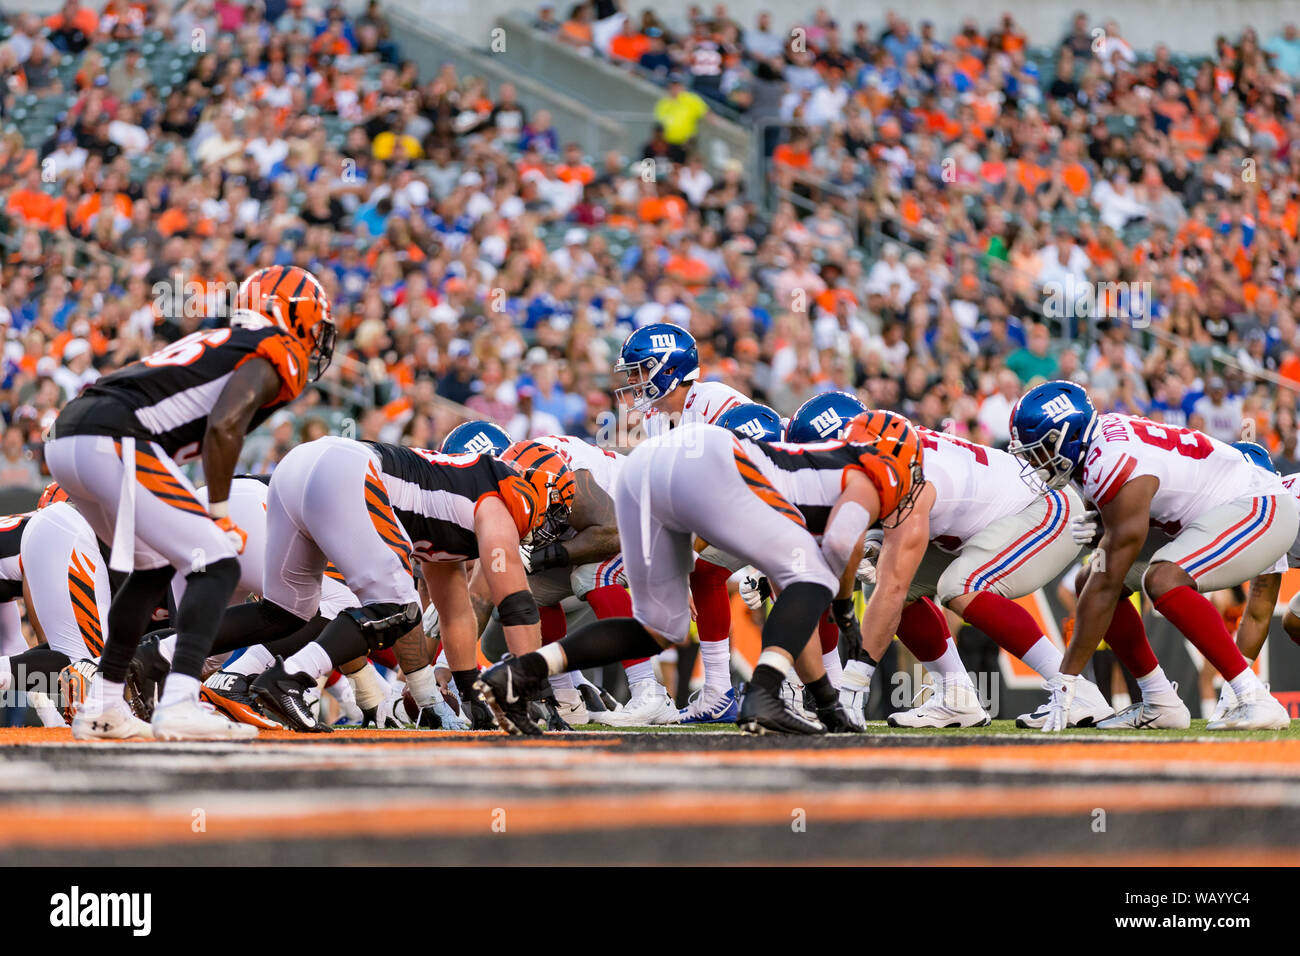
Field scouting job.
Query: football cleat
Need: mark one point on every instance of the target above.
(479, 713)
(228, 692)
(196, 720)
(145, 676)
(1150, 715)
(648, 706)
(507, 689)
(708, 706)
(1087, 708)
(955, 705)
(284, 697)
(108, 720)
(74, 681)
(1257, 709)
(573, 712)
(763, 712)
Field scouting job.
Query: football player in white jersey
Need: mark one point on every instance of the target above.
(663, 368)
(977, 538)
(1221, 522)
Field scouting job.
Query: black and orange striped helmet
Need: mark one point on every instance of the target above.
(546, 470)
(893, 436)
(52, 493)
(293, 299)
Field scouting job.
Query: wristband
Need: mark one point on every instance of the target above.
(219, 509)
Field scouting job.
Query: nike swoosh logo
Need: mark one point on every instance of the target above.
(892, 480)
(511, 696)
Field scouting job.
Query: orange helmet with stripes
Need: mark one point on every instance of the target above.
(549, 474)
(52, 493)
(897, 444)
(293, 299)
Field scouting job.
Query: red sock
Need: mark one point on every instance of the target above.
(1193, 614)
(924, 630)
(610, 601)
(829, 633)
(333, 679)
(1006, 622)
(1127, 637)
(712, 604)
(554, 624)
(385, 658)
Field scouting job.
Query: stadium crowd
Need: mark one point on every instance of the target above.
(152, 156)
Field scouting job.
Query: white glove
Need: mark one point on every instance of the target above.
(432, 623)
(1084, 528)
(867, 571)
(525, 555)
(870, 554)
(1059, 704)
(391, 715)
(855, 688)
(751, 588)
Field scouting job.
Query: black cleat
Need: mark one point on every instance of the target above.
(282, 695)
(547, 712)
(763, 712)
(146, 673)
(229, 693)
(479, 714)
(597, 699)
(507, 689)
(836, 720)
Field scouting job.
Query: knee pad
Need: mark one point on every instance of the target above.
(382, 624)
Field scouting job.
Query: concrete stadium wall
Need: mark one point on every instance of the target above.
(1188, 26)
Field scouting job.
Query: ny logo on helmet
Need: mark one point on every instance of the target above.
(750, 429)
(1059, 407)
(827, 423)
(478, 444)
(665, 342)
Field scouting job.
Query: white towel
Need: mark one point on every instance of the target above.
(122, 557)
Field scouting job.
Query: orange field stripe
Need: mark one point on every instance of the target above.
(106, 824)
(1261, 856)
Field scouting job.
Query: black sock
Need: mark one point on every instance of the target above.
(823, 691)
(343, 640)
(129, 616)
(794, 616)
(254, 623)
(605, 642)
(465, 683)
(768, 678)
(207, 593)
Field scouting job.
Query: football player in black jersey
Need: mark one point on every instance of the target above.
(115, 450)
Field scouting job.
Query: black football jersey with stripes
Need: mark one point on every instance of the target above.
(434, 496)
(166, 397)
(810, 477)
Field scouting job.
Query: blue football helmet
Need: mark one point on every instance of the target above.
(824, 417)
(476, 438)
(663, 355)
(752, 420)
(1256, 454)
(1051, 427)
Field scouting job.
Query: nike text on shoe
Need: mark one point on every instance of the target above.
(283, 696)
(506, 689)
(112, 720)
(195, 720)
(763, 712)
(228, 692)
(1086, 710)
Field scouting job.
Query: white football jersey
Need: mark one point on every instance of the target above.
(1196, 472)
(974, 486)
(583, 456)
(705, 401)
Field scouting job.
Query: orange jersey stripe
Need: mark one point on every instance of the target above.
(85, 609)
(763, 488)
